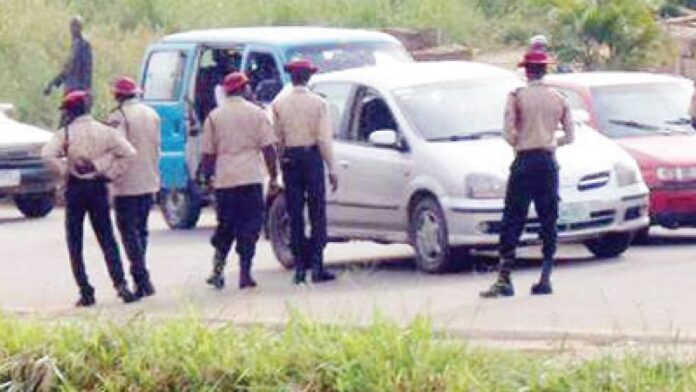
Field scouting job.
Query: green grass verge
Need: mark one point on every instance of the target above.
(181, 355)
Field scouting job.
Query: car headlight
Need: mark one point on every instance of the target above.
(484, 186)
(626, 175)
(676, 174)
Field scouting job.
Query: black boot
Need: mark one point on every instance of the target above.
(542, 288)
(126, 295)
(300, 276)
(245, 279)
(501, 288)
(144, 289)
(86, 298)
(216, 279)
(322, 276)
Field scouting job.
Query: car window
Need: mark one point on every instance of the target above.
(372, 114)
(264, 76)
(337, 95)
(574, 98)
(643, 109)
(336, 57)
(456, 109)
(164, 76)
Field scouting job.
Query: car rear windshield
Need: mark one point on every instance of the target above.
(643, 109)
(337, 57)
(450, 111)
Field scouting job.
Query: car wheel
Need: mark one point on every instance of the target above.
(36, 205)
(279, 231)
(642, 236)
(428, 232)
(609, 245)
(181, 208)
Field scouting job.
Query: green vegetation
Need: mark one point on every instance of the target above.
(34, 36)
(189, 355)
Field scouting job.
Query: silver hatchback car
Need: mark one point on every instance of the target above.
(421, 160)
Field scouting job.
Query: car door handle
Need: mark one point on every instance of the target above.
(344, 164)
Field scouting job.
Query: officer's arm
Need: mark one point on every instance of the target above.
(113, 160)
(53, 153)
(266, 141)
(568, 125)
(208, 150)
(510, 121)
(326, 137)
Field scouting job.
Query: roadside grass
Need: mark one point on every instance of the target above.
(190, 355)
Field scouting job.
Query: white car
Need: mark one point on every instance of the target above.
(420, 160)
(23, 175)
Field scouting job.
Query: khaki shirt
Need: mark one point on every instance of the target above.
(692, 107)
(140, 124)
(532, 116)
(301, 118)
(87, 139)
(235, 133)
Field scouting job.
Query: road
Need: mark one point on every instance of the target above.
(648, 294)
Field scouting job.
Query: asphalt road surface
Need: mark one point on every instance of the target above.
(646, 295)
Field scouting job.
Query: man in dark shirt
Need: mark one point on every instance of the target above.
(77, 70)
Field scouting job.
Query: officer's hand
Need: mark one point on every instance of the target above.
(84, 166)
(47, 89)
(273, 187)
(333, 180)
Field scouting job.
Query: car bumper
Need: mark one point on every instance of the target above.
(479, 224)
(673, 207)
(26, 177)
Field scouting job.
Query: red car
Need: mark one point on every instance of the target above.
(648, 115)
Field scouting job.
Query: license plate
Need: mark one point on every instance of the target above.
(10, 178)
(572, 213)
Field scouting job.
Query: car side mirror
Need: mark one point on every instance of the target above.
(384, 138)
(8, 110)
(580, 116)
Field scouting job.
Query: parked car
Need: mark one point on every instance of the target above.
(421, 160)
(23, 175)
(648, 115)
(179, 74)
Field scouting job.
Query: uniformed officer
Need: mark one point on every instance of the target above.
(135, 188)
(84, 151)
(532, 116)
(303, 126)
(235, 135)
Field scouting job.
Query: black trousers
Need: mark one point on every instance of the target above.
(304, 176)
(132, 214)
(90, 197)
(240, 218)
(533, 178)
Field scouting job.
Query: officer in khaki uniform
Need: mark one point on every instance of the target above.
(303, 126)
(235, 135)
(532, 116)
(84, 151)
(135, 188)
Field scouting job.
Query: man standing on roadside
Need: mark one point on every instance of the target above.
(77, 69)
(532, 116)
(135, 187)
(235, 135)
(303, 126)
(84, 151)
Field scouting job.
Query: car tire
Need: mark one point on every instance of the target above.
(609, 245)
(428, 234)
(278, 228)
(642, 236)
(35, 205)
(180, 208)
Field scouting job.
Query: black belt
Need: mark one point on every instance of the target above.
(313, 147)
(534, 151)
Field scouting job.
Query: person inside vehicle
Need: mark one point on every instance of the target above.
(209, 78)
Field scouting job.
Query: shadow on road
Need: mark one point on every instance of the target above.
(668, 240)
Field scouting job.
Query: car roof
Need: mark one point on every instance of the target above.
(394, 76)
(279, 36)
(606, 79)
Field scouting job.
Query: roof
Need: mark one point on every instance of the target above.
(605, 79)
(402, 75)
(284, 36)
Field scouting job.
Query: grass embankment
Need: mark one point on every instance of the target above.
(34, 36)
(304, 356)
